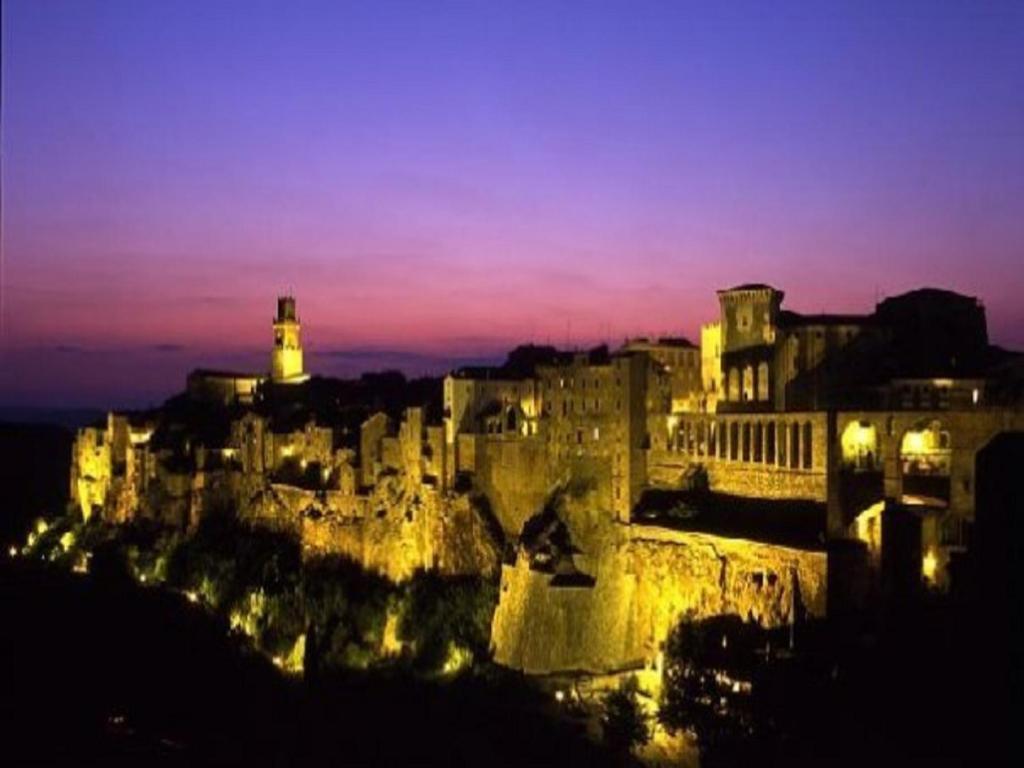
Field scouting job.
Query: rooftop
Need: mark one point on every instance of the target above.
(795, 319)
(749, 287)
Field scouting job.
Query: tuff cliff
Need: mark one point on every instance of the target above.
(645, 580)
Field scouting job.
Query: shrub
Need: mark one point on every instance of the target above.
(445, 614)
(624, 723)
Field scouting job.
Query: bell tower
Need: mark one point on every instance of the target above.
(286, 359)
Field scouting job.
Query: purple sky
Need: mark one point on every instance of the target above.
(443, 180)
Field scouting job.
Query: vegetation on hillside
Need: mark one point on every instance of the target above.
(313, 615)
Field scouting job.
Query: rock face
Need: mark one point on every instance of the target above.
(644, 582)
(396, 520)
(394, 531)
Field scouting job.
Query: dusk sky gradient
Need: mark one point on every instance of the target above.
(437, 181)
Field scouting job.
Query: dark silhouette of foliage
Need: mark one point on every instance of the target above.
(624, 724)
(445, 612)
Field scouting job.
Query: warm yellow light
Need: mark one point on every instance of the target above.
(914, 442)
(459, 658)
(859, 441)
(929, 565)
(559, 696)
(12, 551)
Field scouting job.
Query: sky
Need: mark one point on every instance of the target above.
(436, 182)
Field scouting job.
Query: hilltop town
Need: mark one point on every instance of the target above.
(789, 466)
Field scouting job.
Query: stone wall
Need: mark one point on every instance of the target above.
(394, 531)
(645, 581)
(515, 473)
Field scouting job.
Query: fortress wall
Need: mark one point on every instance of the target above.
(516, 476)
(91, 470)
(767, 482)
(644, 584)
(401, 536)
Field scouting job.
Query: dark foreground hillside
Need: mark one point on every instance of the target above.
(116, 675)
(35, 464)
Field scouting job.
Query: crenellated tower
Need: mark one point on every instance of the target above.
(286, 360)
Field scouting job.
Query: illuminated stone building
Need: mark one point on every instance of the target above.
(681, 366)
(286, 359)
(613, 490)
(853, 411)
(286, 365)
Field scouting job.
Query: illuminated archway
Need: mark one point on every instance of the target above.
(859, 443)
(925, 457)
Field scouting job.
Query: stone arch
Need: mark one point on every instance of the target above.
(926, 452)
(807, 445)
(859, 446)
(794, 445)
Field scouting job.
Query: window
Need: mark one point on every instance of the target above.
(762, 381)
(794, 452)
(746, 442)
(769, 448)
(734, 440)
(758, 442)
(733, 391)
(808, 453)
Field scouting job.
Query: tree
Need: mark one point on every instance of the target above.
(704, 663)
(624, 722)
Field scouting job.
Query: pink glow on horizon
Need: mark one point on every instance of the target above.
(450, 183)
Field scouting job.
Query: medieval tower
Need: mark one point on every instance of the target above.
(286, 359)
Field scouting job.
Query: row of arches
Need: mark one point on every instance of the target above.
(924, 448)
(781, 443)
